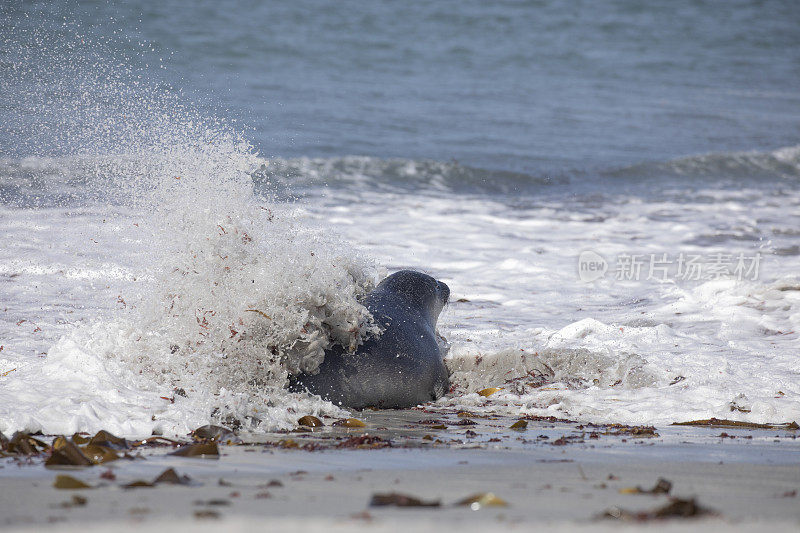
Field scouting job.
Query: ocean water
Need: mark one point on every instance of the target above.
(193, 198)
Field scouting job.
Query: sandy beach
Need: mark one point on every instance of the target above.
(564, 476)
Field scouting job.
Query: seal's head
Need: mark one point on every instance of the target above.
(419, 290)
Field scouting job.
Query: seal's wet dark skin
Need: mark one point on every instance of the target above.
(402, 366)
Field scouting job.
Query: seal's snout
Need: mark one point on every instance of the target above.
(444, 292)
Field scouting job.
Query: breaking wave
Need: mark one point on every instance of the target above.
(398, 175)
(48, 181)
(782, 164)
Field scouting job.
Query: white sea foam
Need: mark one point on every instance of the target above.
(520, 319)
(609, 351)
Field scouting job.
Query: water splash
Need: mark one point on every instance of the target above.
(233, 293)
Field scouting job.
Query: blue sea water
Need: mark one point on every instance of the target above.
(541, 87)
(488, 143)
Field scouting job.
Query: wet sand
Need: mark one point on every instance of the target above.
(563, 475)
